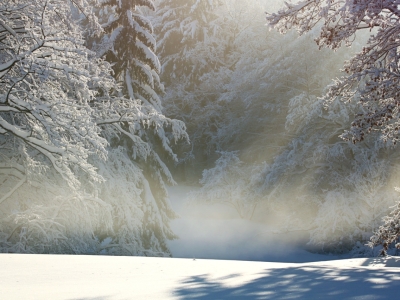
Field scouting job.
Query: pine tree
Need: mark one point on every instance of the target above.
(130, 46)
(181, 26)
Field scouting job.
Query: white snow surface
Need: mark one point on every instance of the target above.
(24, 276)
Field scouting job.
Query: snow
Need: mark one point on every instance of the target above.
(24, 276)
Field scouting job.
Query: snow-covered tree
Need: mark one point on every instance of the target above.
(337, 190)
(372, 76)
(182, 26)
(129, 44)
(197, 63)
(60, 109)
(49, 81)
(389, 232)
(231, 182)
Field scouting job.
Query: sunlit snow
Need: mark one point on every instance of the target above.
(105, 277)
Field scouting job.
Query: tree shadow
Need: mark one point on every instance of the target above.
(388, 261)
(306, 282)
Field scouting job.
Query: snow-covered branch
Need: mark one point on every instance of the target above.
(373, 72)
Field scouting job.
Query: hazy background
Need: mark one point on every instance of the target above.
(264, 145)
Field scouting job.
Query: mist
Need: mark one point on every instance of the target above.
(215, 231)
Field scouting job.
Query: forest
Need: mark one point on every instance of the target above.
(288, 113)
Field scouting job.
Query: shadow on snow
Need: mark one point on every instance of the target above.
(298, 283)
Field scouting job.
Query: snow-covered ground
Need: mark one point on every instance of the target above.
(67, 277)
(205, 232)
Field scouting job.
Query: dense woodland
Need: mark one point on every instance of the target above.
(290, 117)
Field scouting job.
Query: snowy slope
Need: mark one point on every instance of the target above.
(67, 277)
